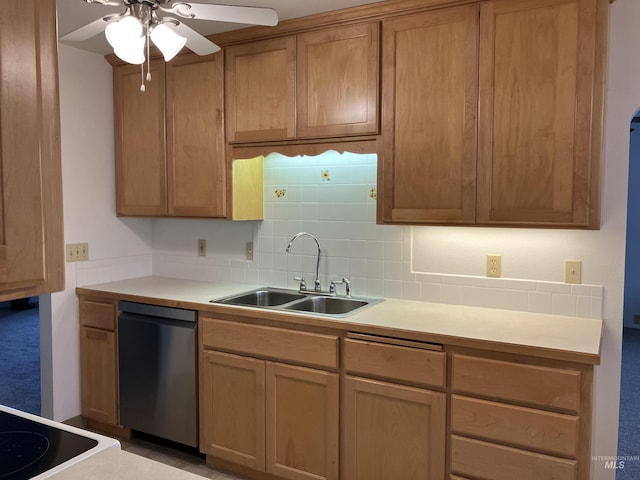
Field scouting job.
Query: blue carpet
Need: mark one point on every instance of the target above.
(20, 358)
(629, 430)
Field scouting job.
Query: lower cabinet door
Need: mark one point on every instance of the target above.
(302, 423)
(232, 408)
(392, 431)
(99, 377)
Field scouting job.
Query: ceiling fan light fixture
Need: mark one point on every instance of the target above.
(126, 29)
(127, 39)
(131, 52)
(167, 41)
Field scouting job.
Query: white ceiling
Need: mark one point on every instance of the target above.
(73, 14)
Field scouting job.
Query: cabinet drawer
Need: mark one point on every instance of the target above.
(395, 362)
(540, 386)
(525, 427)
(272, 342)
(98, 314)
(479, 459)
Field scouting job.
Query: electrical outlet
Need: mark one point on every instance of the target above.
(202, 247)
(249, 251)
(572, 271)
(77, 252)
(494, 265)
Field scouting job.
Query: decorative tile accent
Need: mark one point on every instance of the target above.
(326, 176)
(280, 192)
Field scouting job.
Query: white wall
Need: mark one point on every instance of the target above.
(85, 85)
(117, 248)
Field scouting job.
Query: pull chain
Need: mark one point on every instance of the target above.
(142, 86)
(148, 42)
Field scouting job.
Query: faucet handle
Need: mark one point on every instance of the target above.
(347, 286)
(303, 283)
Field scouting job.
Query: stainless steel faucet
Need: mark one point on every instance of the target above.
(317, 282)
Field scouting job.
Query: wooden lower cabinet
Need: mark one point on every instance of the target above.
(302, 422)
(232, 408)
(270, 417)
(392, 431)
(519, 417)
(497, 462)
(99, 361)
(99, 375)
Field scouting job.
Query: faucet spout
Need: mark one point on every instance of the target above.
(306, 234)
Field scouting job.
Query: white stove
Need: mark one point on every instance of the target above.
(34, 448)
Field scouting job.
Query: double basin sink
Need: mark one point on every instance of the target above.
(295, 301)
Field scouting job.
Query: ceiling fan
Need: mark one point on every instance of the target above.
(140, 24)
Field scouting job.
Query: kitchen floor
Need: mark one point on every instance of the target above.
(184, 460)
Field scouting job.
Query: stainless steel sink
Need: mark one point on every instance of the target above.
(263, 297)
(295, 301)
(327, 305)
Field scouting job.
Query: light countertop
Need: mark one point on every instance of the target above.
(551, 336)
(117, 464)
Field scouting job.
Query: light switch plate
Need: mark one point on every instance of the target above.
(572, 271)
(77, 252)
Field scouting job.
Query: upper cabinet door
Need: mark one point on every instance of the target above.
(337, 89)
(141, 164)
(260, 90)
(31, 228)
(538, 113)
(429, 97)
(195, 136)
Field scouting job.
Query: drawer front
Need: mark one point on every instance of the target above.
(525, 427)
(395, 362)
(272, 342)
(540, 386)
(98, 314)
(478, 459)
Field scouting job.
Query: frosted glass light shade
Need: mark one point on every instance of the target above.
(132, 52)
(167, 41)
(127, 39)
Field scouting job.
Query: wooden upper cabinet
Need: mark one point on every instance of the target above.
(31, 227)
(195, 146)
(317, 84)
(337, 81)
(141, 163)
(429, 95)
(540, 63)
(170, 152)
(260, 90)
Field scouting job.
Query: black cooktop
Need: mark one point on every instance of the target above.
(29, 448)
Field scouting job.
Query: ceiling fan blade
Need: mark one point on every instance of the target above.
(86, 32)
(227, 13)
(195, 42)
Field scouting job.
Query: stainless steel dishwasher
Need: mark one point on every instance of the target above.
(158, 371)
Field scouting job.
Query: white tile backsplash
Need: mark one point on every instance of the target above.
(333, 196)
